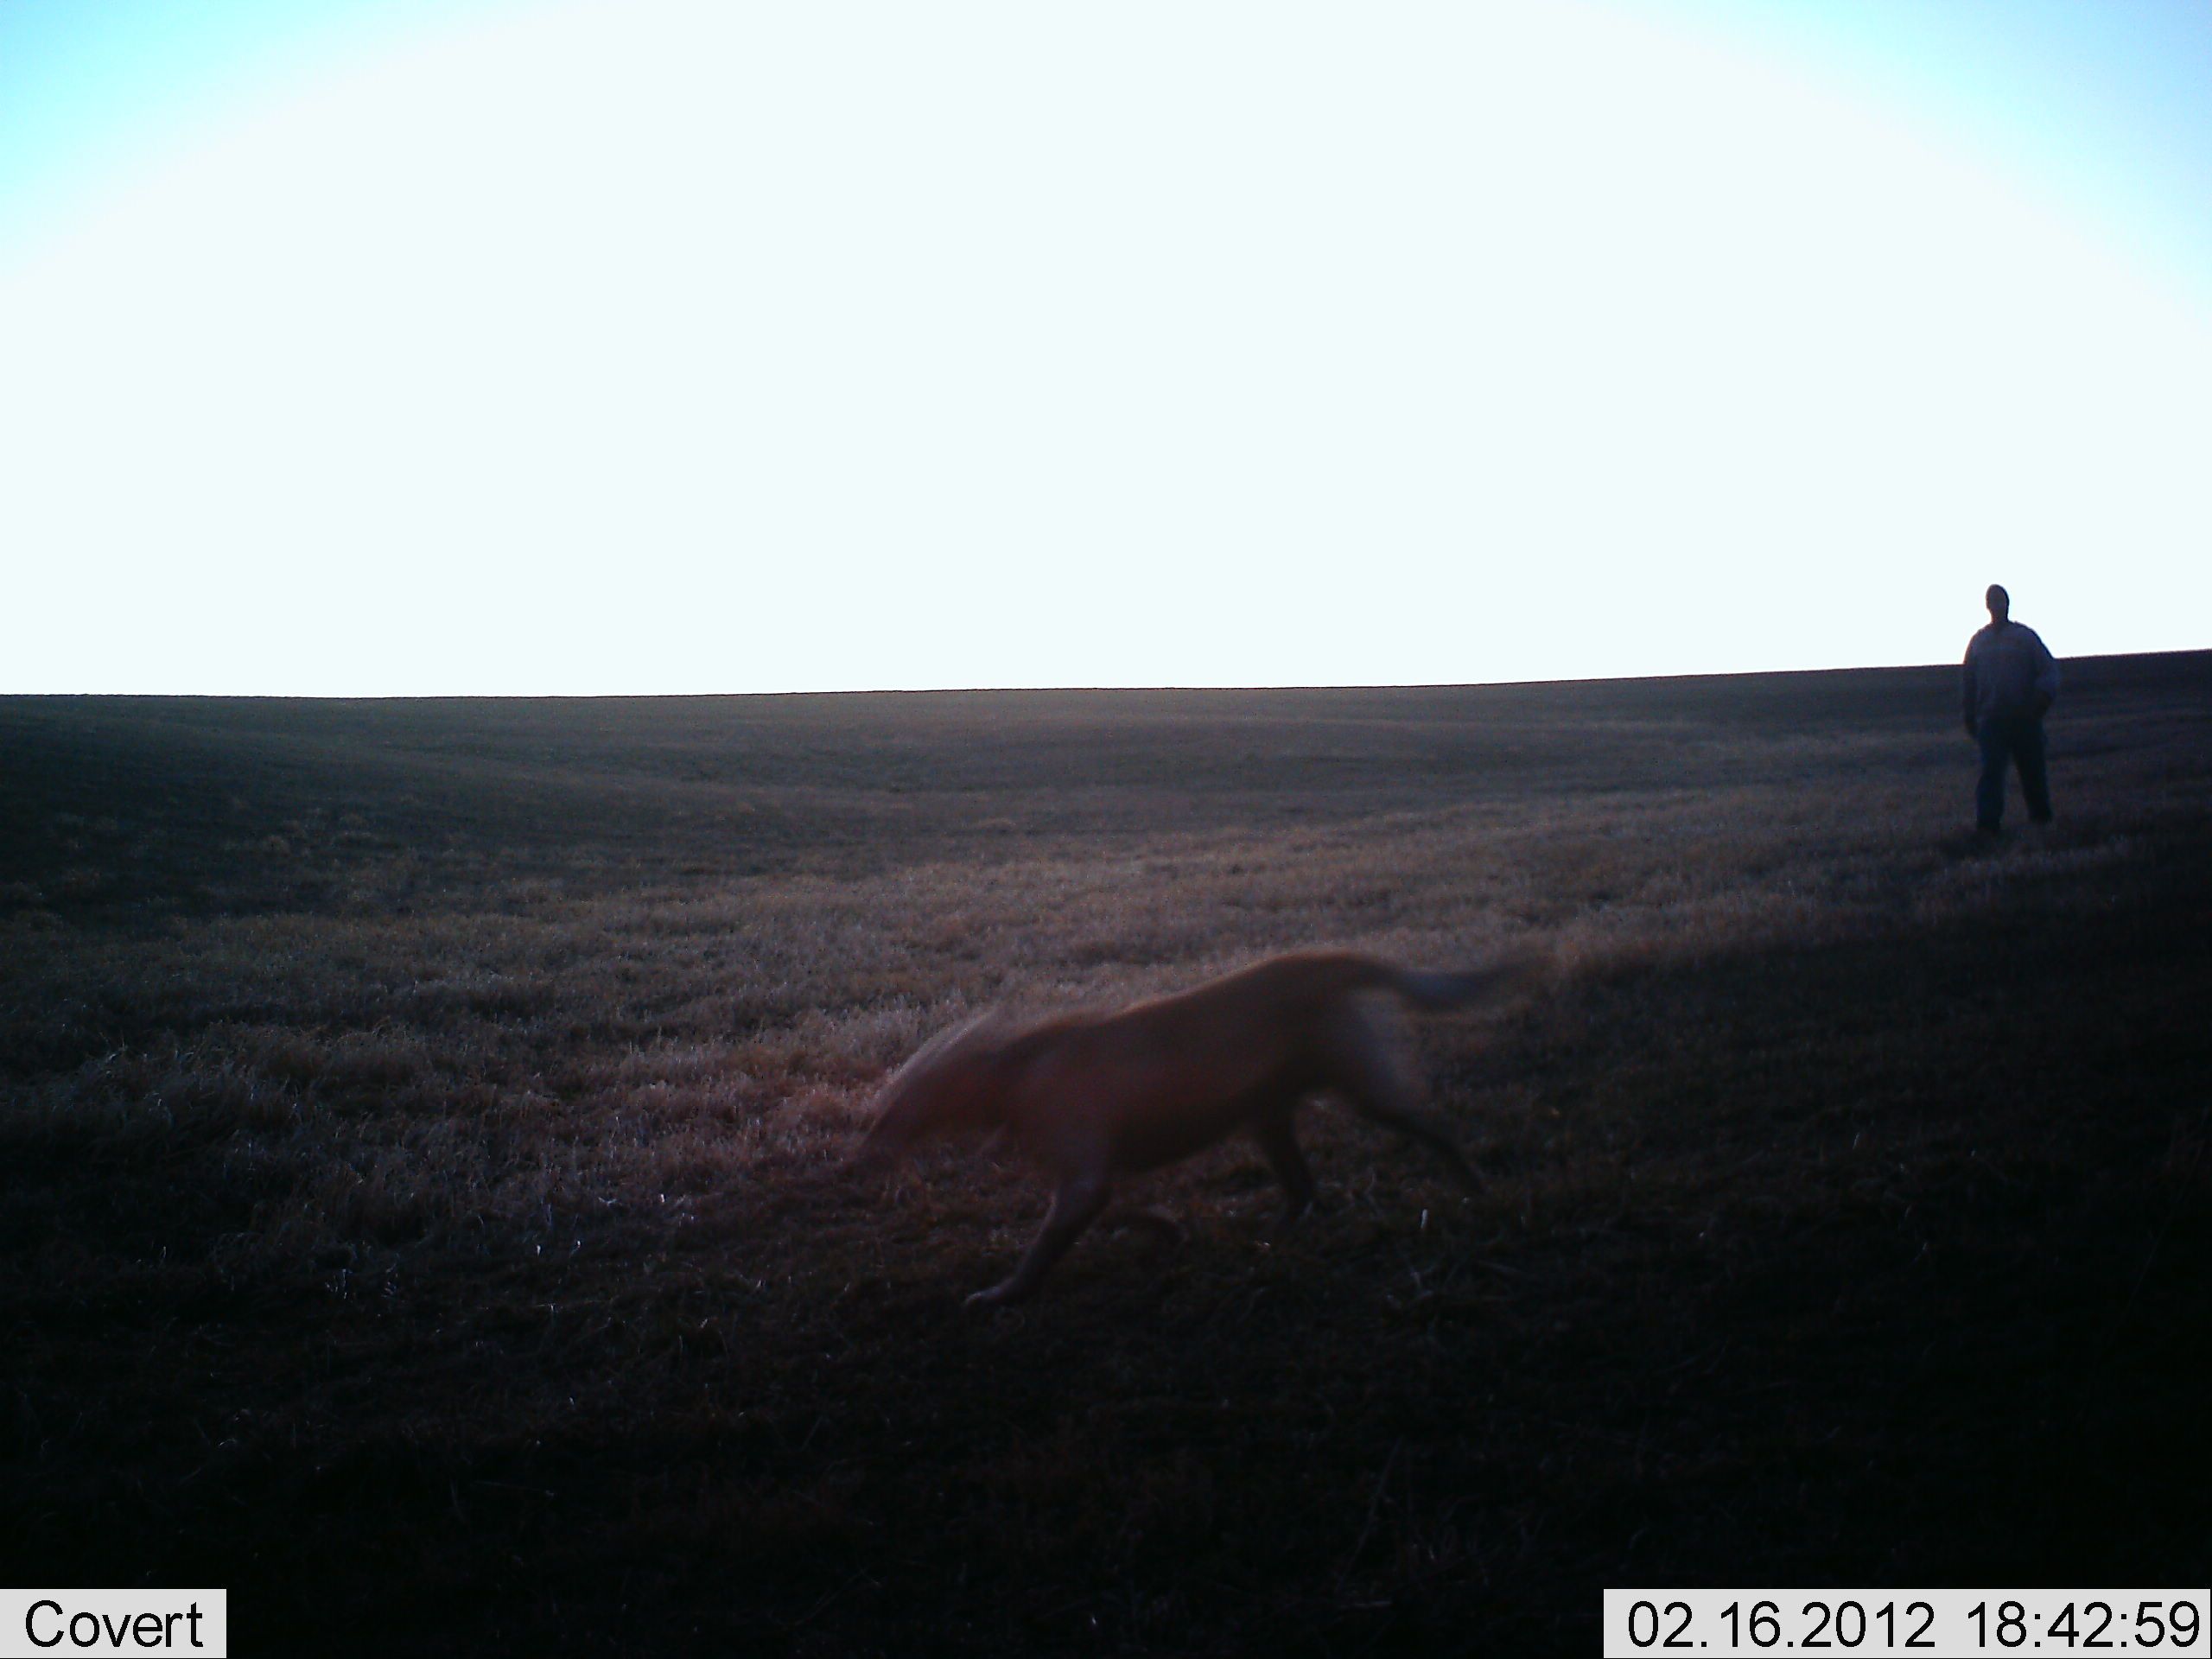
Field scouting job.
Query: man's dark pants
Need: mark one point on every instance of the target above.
(2014, 739)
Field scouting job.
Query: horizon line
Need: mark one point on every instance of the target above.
(1092, 690)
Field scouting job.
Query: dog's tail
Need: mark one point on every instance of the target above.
(1511, 970)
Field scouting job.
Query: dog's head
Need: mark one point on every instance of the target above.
(951, 1085)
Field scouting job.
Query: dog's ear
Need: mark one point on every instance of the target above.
(976, 1035)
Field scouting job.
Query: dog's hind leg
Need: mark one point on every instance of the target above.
(1075, 1206)
(1363, 1068)
(1279, 1144)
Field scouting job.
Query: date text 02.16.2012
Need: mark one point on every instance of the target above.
(1903, 1624)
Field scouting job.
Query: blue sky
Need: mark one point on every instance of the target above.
(398, 348)
(90, 93)
(2101, 104)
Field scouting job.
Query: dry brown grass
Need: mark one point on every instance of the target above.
(422, 1127)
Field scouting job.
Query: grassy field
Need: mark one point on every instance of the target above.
(421, 1209)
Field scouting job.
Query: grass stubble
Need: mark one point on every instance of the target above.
(422, 1211)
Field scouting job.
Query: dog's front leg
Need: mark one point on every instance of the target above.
(1075, 1206)
(1279, 1143)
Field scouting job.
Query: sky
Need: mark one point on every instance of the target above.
(389, 348)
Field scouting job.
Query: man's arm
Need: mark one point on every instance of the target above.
(2046, 677)
(1967, 687)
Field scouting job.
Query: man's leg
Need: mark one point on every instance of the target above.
(2035, 780)
(1989, 793)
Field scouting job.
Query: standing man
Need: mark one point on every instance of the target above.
(2009, 681)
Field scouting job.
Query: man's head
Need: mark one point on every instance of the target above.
(2000, 603)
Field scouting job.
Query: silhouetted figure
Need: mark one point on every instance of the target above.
(2009, 681)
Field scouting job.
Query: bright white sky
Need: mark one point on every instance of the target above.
(643, 347)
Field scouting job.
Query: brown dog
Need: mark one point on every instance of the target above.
(1091, 1096)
